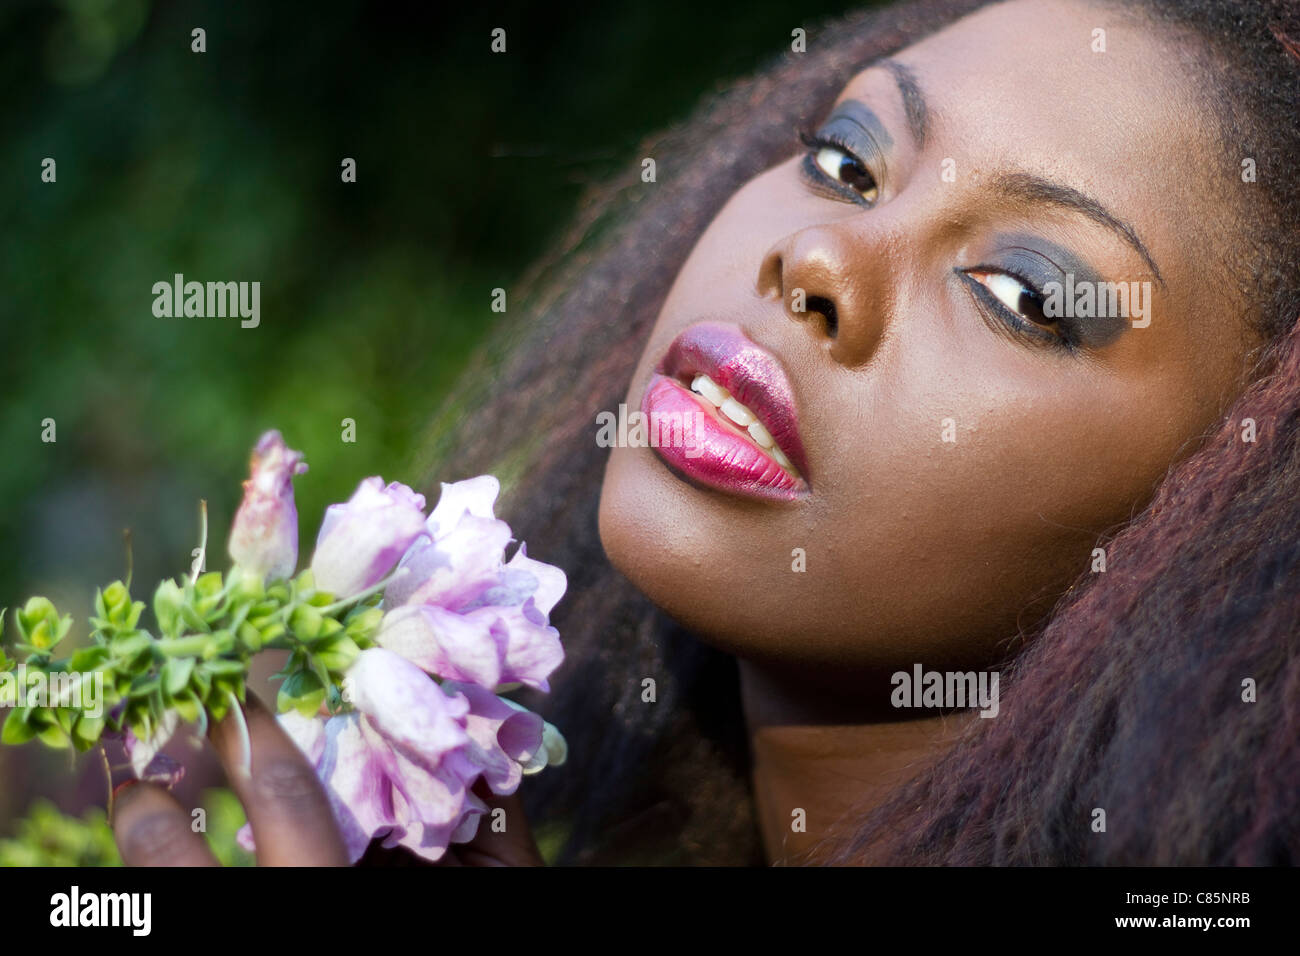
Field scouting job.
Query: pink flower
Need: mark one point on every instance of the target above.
(504, 738)
(464, 613)
(361, 540)
(400, 766)
(396, 767)
(264, 538)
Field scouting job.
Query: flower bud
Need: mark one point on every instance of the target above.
(264, 538)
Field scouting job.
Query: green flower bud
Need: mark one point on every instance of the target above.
(40, 624)
(167, 602)
(306, 622)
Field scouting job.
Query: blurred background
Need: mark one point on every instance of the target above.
(225, 166)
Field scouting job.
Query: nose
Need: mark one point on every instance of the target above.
(830, 281)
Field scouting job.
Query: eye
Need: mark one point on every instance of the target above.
(831, 164)
(843, 168)
(1015, 296)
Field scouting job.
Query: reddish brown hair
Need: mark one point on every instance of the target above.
(1130, 700)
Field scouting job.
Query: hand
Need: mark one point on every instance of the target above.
(289, 813)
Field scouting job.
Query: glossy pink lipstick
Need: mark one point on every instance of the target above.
(721, 453)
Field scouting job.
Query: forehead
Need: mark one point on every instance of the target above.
(1093, 78)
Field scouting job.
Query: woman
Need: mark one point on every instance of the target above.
(958, 469)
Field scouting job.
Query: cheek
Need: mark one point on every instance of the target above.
(978, 494)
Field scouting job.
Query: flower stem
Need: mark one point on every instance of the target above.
(183, 646)
(330, 609)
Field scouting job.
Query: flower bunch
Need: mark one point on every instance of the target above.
(403, 634)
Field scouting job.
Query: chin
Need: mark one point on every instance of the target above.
(648, 535)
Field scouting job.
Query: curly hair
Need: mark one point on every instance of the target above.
(1129, 698)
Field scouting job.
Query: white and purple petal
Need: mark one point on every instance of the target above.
(504, 737)
(406, 705)
(361, 541)
(443, 643)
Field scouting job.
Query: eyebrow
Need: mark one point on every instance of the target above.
(1026, 187)
(918, 115)
(1017, 186)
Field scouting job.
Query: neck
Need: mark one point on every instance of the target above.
(817, 756)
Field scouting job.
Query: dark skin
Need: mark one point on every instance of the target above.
(287, 809)
(918, 550)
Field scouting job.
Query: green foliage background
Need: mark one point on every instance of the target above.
(225, 166)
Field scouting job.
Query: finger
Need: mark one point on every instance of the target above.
(286, 804)
(503, 838)
(152, 829)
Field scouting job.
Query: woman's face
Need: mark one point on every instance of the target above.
(957, 437)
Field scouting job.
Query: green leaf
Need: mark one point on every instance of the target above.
(208, 585)
(54, 737)
(303, 692)
(223, 667)
(336, 653)
(64, 717)
(176, 674)
(362, 624)
(144, 685)
(167, 602)
(192, 619)
(88, 658)
(224, 641)
(89, 728)
(188, 706)
(228, 685)
(16, 729)
(218, 707)
(133, 618)
(130, 644)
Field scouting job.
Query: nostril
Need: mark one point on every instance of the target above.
(826, 309)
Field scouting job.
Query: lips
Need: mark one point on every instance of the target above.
(722, 453)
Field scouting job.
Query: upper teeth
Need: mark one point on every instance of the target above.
(742, 416)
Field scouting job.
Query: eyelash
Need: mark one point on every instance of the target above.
(987, 302)
(816, 177)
